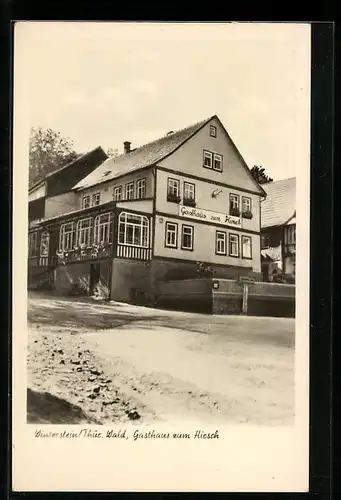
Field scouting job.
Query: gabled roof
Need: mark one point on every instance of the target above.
(280, 203)
(81, 158)
(141, 157)
(150, 154)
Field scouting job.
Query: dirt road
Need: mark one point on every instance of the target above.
(107, 363)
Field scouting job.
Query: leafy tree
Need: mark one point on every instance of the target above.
(49, 151)
(258, 173)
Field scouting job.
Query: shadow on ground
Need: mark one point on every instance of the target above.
(44, 408)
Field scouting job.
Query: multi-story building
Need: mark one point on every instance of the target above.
(278, 228)
(156, 211)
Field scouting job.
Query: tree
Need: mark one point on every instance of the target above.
(48, 151)
(258, 173)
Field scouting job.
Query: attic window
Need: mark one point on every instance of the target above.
(213, 131)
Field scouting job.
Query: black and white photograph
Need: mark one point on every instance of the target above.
(161, 172)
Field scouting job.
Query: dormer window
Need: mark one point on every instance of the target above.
(213, 131)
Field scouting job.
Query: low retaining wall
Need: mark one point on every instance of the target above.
(193, 295)
(220, 296)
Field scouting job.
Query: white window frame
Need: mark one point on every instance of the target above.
(213, 131)
(142, 226)
(173, 186)
(171, 235)
(220, 243)
(246, 204)
(96, 196)
(129, 191)
(209, 156)
(234, 201)
(84, 232)
(184, 228)
(68, 236)
(118, 193)
(219, 158)
(189, 190)
(103, 224)
(233, 239)
(86, 201)
(33, 244)
(141, 188)
(244, 239)
(44, 239)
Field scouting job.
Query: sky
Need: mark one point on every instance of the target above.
(106, 83)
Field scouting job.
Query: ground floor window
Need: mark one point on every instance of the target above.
(66, 236)
(44, 244)
(187, 237)
(233, 245)
(246, 247)
(103, 228)
(171, 236)
(220, 243)
(32, 244)
(84, 232)
(133, 230)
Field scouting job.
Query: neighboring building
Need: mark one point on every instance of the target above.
(53, 195)
(278, 219)
(155, 212)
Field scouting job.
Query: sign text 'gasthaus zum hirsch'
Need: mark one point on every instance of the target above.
(200, 214)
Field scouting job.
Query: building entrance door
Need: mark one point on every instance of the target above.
(94, 276)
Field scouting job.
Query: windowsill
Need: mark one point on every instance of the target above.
(174, 200)
(189, 203)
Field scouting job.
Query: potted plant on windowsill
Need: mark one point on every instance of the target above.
(174, 198)
(247, 214)
(189, 202)
(235, 212)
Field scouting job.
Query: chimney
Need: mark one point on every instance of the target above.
(126, 145)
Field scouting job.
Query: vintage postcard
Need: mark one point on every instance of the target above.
(161, 256)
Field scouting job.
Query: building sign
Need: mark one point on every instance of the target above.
(200, 214)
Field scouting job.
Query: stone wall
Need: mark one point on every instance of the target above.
(131, 281)
(74, 278)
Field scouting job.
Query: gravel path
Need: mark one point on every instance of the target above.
(119, 363)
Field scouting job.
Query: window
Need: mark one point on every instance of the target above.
(44, 244)
(246, 247)
(133, 230)
(66, 236)
(234, 204)
(265, 241)
(213, 131)
(189, 191)
(233, 245)
(118, 193)
(187, 237)
(129, 191)
(32, 244)
(220, 243)
(217, 162)
(173, 190)
(103, 228)
(173, 187)
(84, 227)
(141, 189)
(208, 157)
(86, 202)
(290, 235)
(96, 199)
(246, 204)
(171, 236)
